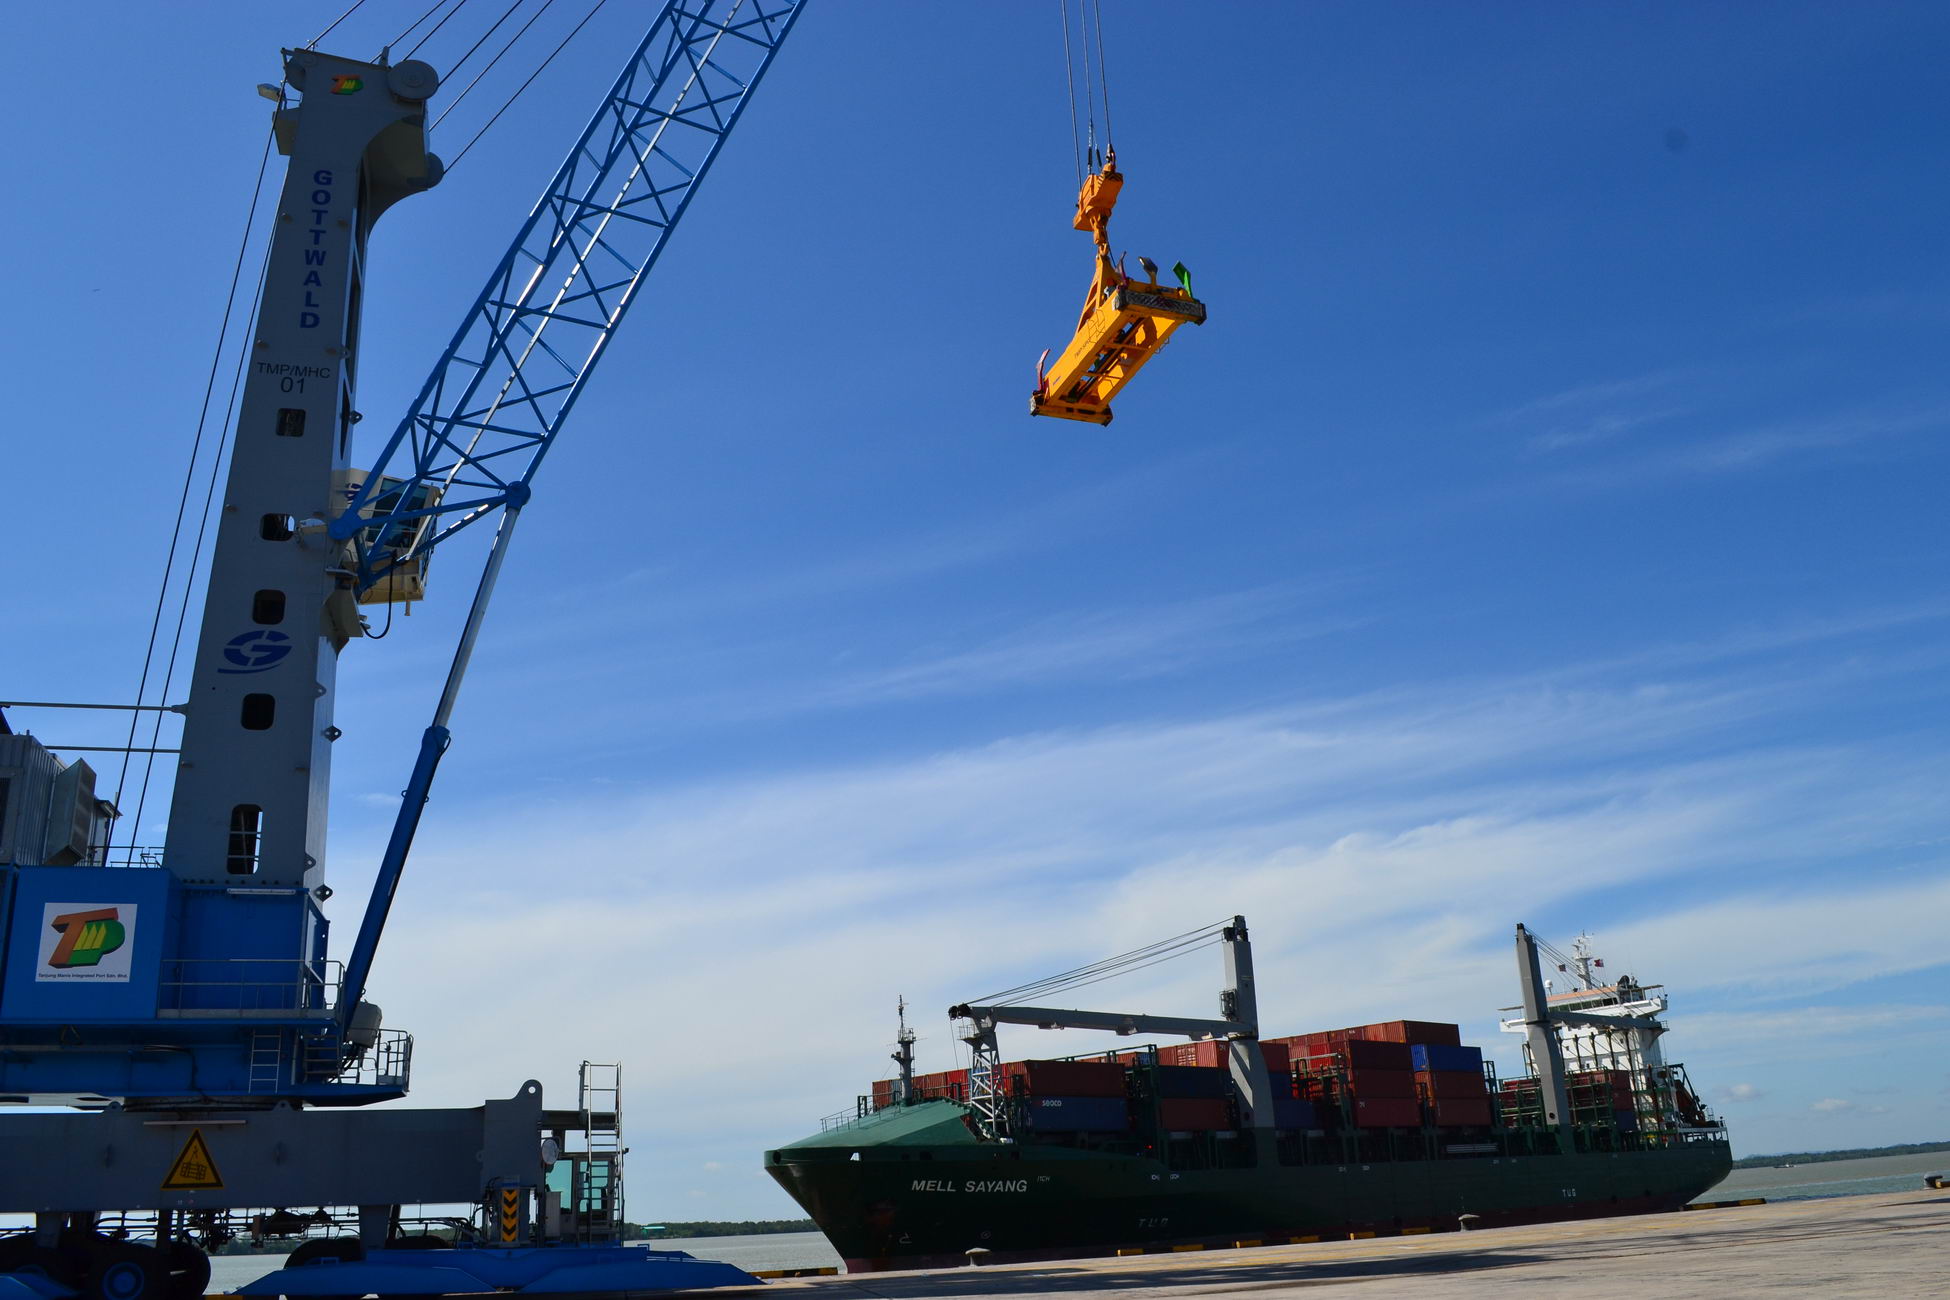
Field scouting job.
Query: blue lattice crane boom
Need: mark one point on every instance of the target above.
(497, 399)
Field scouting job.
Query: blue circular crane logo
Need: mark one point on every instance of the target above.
(253, 652)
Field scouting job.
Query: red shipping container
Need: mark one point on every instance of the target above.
(1214, 1054)
(1207, 1054)
(1387, 1112)
(1381, 1083)
(1067, 1078)
(1413, 1031)
(1193, 1114)
(1459, 1085)
(1460, 1113)
(1374, 1054)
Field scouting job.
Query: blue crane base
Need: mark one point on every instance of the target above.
(463, 1270)
(33, 1286)
(476, 1270)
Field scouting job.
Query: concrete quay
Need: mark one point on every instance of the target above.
(1888, 1247)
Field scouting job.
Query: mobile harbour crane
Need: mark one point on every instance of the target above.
(188, 1005)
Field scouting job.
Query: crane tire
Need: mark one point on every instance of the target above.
(123, 1270)
(189, 1270)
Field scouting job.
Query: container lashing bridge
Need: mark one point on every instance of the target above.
(217, 1062)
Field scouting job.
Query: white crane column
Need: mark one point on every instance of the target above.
(249, 800)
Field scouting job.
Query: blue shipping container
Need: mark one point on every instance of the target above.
(1194, 1082)
(1292, 1112)
(1075, 1115)
(1441, 1056)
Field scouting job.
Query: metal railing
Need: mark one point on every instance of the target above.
(840, 1119)
(124, 855)
(386, 1062)
(217, 987)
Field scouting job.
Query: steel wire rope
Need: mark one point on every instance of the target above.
(313, 42)
(546, 6)
(1113, 964)
(493, 27)
(1089, 96)
(414, 25)
(1136, 954)
(202, 530)
(1187, 949)
(1103, 74)
(1121, 967)
(189, 478)
(543, 67)
(1108, 966)
(435, 29)
(1070, 77)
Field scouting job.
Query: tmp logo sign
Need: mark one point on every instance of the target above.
(86, 941)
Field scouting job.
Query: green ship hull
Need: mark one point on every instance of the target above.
(914, 1188)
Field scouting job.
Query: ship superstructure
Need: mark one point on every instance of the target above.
(1615, 1029)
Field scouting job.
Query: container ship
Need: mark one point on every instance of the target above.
(1231, 1138)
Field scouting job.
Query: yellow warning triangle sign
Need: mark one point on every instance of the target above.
(194, 1169)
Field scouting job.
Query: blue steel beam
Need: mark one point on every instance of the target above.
(500, 393)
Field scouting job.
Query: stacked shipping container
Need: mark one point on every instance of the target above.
(1396, 1074)
(1598, 1097)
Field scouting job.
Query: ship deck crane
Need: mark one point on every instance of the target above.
(1238, 1025)
(192, 1003)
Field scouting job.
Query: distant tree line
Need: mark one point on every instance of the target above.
(1852, 1153)
(717, 1228)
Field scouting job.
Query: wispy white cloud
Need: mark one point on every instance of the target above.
(1754, 447)
(1112, 643)
(740, 942)
(1599, 428)
(1588, 398)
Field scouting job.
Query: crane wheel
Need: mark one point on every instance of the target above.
(189, 1270)
(123, 1270)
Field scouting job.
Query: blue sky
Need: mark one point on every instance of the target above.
(1545, 527)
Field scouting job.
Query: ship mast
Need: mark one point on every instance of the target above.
(904, 1058)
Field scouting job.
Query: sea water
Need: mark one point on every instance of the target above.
(1830, 1178)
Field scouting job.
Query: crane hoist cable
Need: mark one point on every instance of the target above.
(490, 65)
(313, 42)
(539, 69)
(178, 530)
(1125, 320)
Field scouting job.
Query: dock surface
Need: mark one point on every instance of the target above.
(1887, 1247)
